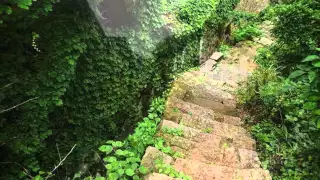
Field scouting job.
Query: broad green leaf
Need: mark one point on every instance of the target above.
(129, 172)
(109, 142)
(143, 170)
(316, 64)
(134, 166)
(150, 116)
(71, 61)
(38, 177)
(120, 172)
(117, 144)
(105, 148)
(312, 76)
(135, 177)
(296, 74)
(99, 178)
(311, 58)
(108, 166)
(304, 67)
(110, 159)
(317, 49)
(317, 112)
(318, 124)
(310, 105)
(76, 175)
(119, 152)
(113, 176)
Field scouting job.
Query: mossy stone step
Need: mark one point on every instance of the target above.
(209, 148)
(176, 107)
(202, 171)
(157, 176)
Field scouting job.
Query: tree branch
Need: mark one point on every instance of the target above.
(61, 162)
(8, 84)
(9, 109)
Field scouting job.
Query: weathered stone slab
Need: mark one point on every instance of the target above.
(157, 176)
(180, 142)
(264, 41)
(187, 132)
(252, 174)
(151, 155)
(202, 171)
(248, 159)
(216, 56)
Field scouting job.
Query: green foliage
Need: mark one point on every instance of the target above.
(123, 158)
(296, 30)
(196, 12)
(166, 169)
(224, 48)
(87, 82)
(250, 91)
(247, 32)
(207, 130)
(286, 108)
(265, 57)
(173, 131)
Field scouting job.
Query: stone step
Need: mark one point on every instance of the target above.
(238, 135)
(157, 176)
(208, 66)
(187, 132)
(221, 152)
(197, 91)
(175, 107)
(197, 79)
(202, 171)
(229, 85)
(209, 148)
(202, 120)
(151, 155)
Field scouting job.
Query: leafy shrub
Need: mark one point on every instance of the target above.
(250, 91)
(122, 160)
(224, 48)
(293, 133)
(246, 32)
(265, 57)
(196, 12)
(169, 170)
(296, 30)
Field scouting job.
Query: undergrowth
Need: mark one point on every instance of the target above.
(283, 95)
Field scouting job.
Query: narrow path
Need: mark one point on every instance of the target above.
(202, 104)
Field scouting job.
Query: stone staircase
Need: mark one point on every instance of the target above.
(202, 105)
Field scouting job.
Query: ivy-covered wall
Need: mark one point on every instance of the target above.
(67, 80)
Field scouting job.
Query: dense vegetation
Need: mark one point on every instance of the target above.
(283, 95)
(71, 80)
(82, 92)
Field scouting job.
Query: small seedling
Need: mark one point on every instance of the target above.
(178, 155)
(173, 131)
(225, 145)
(207, 130)
(175, 109)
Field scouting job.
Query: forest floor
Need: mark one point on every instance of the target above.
(202, 105)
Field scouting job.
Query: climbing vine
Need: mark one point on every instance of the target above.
(70, 80)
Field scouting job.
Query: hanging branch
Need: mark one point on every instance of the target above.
(61, 162)
(8, 85)
(9, 109)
